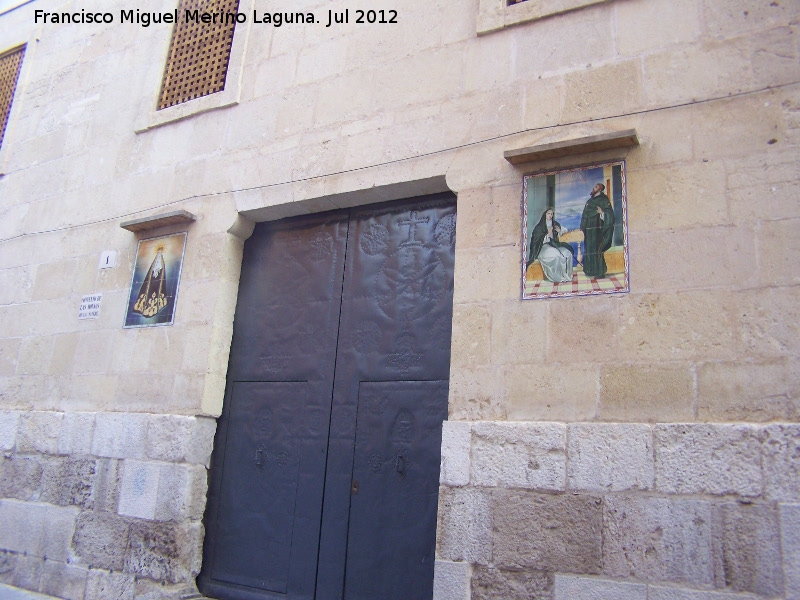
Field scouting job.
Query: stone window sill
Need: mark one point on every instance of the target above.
(494, 15)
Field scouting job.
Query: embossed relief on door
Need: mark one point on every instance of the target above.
(324, 479)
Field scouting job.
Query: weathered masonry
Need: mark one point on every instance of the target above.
(350, 398)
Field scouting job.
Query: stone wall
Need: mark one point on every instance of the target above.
(103, 505)
(688, 511)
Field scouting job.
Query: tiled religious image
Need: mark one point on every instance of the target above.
(154, 285)
(575, 235)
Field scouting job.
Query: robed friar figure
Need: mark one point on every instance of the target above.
(597, 225)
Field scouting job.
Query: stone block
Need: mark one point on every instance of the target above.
(464, 527)
(748, 548)
(28, 572)
(34, 355)
(9, 423)
(20, 477)
(487, 274)
(201, 443)
(778, 243)
(451, 580)
(181, 492)
(63, 357)
(648, 392)
(595, 322)
(76, 433)
(708, 459)
(470, 338)
(743, 391)
(8, 561)
(685, 326)
(119, 435)
(573, 587)
(139, 489)
(645, 26)
(519, 332)
(39, 431)
(490, 583)
(780, 448)
(731, 250)
(789, 515)
(107, 485)
(40, 530)
(477, 394)
(163, 551)
(663, 592)
(168, 437)
(610, 457)
(767, 321)
(547, 532)
(456, 438)
(553, 392)
(661, 196)
(519, 455)
(101, 585)
(62, 580)
(587, 93)
(101, 540)
(69, 482)
(658, 539)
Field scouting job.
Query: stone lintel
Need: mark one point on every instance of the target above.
(155, 221)
(584, 145)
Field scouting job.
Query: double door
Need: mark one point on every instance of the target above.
(324, 479)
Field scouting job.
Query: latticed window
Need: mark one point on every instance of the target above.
(10, 66)
(199, 52)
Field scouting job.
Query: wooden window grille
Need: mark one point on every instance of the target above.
(10, 66)
(198, 53)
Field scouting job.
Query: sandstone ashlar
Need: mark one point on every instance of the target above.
(471, 334)
(69, 482)
(552, 392)
(519, 455)
(139, 490)
(451, 580)
(789, 515)
(165, 551)
(610, 457)
(491, 583)
(39, 530)
(547, 532)
(658, 539)
(65, 581)
(744, 391)
(101, 540)
(9, 422)
(574, 587)
(464, 525)
(39, 431)
(119, 435)
(780, 447)
(21, 477)
(102, 584)
(664, 592)
(747, 548)
(76, 434)
(708, 459)
(455, 462)
(647, 392)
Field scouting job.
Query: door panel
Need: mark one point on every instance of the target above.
(395, 326)
(338, 372)
(268, 466)
(390, 545)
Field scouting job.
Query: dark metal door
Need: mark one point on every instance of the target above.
(324, 479)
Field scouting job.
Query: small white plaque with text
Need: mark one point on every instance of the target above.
(90, 306)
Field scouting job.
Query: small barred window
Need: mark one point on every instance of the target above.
(199, 52)
(10, 66)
